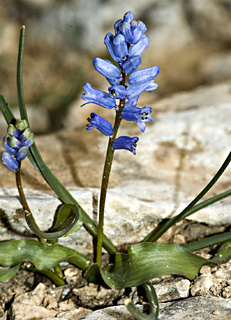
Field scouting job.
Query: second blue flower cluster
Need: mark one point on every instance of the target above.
(126, 82)
(16, 143)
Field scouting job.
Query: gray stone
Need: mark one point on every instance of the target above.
(196, 308)
(172, 289)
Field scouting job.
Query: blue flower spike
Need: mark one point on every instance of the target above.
(16, 143)
(127, 81)
(126, 143)
(104, 126)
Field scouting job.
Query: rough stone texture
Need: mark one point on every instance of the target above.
(172, 289)
(196, 308)
(176, 157)
(213, 281)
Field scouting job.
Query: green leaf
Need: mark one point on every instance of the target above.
(66, 221)
(9, 273)
(223, 254)
(146, 261)
(42, 256)
(208, 241)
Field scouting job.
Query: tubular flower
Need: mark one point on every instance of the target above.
(104, 126)
(134, 91)
(131, 64)
(139, 115)
(119, 92)
(126, 143)
(98, 97)
(143, 75)
(108, 70)
(17, 142)
(117, 46)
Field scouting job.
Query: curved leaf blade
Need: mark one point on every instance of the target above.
(42, 256)
(148, 260)
(66, 221)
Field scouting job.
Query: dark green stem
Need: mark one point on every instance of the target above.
(159, 230)
(23, 200)
(105, 178)
(49, 274)
(21, 100)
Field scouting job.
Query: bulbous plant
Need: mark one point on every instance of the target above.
(143, 261)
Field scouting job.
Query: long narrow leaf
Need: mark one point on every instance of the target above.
(208, 241)
(21, 101)
(42, 256)
(9, 273)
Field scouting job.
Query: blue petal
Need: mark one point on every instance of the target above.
(8, 161)
(22, 153)
(117, 26)
(120, 47)
(98, 97)
(126, 143)
(134, 91)
(141, 125)
(8, 148)
(138, 48)
(138, 28)
(139, 115)
(128, 17)
(151, 87)
(143, 75)
(13, 142)
(131, 64)
(99, 123)
(12, 131)
(119, 91)
(107, 69)
(126, 31)
(27, 138)
(108, 41)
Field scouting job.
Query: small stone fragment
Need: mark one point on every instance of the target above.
(206, 270)
(201, 286)
(216, 312)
